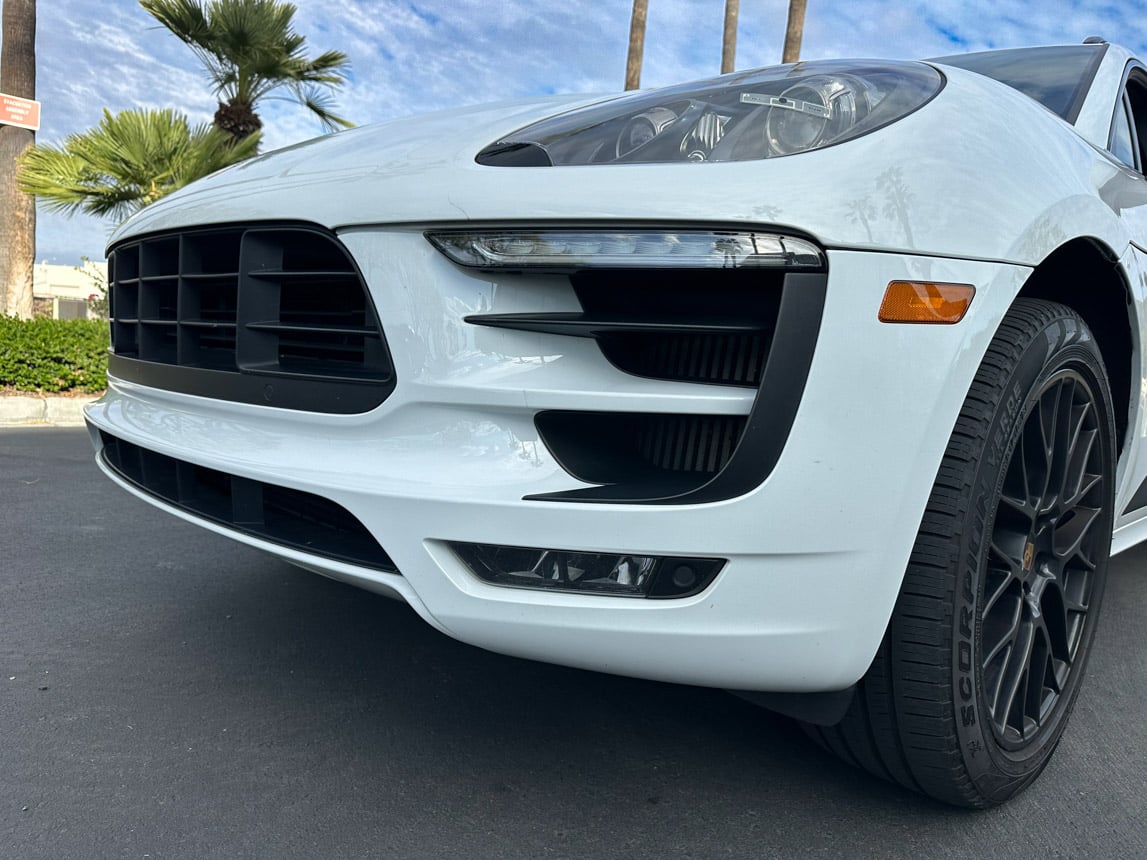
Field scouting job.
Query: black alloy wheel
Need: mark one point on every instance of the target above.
(1042, 560)
(970, 691)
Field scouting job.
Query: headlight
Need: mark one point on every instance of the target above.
(561, 249)
(749, 115)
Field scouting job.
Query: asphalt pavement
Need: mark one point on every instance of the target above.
(165, 693)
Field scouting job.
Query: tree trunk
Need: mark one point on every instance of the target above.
(238, 119)
(17, 209)
(795, 32)
(636, 45)
(729, 46)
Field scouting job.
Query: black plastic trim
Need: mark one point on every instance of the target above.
(514, 155)
(1139, 500)
(309, 359)
(265, 388)
(290, 518)
(587, 325)
(769, 422)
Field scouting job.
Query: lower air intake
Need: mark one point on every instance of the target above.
(282, 516)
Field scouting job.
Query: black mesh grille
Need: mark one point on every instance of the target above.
(624, 447)
(689, 443)
(290, 518)
(712, 326)
(728, 359)
(285, 304)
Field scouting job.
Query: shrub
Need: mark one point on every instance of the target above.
(53, 355)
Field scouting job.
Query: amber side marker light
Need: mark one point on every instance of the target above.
(925, 302)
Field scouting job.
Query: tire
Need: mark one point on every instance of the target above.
(971, 689)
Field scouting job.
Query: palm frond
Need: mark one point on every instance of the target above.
(320, 104)
(250, 48)
(129, 160)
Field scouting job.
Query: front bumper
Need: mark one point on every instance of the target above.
(815, 554)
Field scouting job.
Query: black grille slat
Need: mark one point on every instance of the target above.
(281, 275)
(287, 517)
(287, 328)
(283, 302)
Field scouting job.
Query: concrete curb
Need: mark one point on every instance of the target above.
(23, 410)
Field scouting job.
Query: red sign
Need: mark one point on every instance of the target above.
(23, 113)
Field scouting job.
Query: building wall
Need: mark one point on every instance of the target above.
(63, 292)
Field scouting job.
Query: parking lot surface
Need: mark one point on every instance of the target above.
(167, 693)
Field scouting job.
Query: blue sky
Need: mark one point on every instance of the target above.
(410, 57)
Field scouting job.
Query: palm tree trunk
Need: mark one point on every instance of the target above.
(795, 32)
(729, 46)
(18, 221)
(636, 45)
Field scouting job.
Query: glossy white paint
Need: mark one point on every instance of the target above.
(816, 553)
(954, 192)
(935, 182)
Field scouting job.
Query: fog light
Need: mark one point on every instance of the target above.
(588, 573)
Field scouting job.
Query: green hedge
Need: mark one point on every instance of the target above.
(53, 355)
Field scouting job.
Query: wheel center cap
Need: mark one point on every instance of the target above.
(1029, 556)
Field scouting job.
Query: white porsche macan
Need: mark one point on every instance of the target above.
(823, 383)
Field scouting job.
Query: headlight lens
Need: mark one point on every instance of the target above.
(559, 249)
(742, 117)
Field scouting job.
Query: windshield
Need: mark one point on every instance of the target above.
(1057, 78)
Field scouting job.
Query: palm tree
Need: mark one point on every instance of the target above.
(794, 32)
(129, 160)
(636, 45)
(17, 210)
(249, 49)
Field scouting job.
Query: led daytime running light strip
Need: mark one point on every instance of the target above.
(625, 249)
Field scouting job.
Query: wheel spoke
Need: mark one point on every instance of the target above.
(1006, 637)
(1037, 448)
(1087, 483)
(1036, 678)
(1077, 450)
(1013, 678)
(999, 591)
(1070, 536)
(1020, 506)
(1077, 475)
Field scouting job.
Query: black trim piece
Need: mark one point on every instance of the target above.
(514, 155)
(290, 518)
(270, 313)
(769, 422)
(586, 325)
(1138, 501)
(263, 387)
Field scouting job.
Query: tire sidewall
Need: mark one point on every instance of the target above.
(1064, 343)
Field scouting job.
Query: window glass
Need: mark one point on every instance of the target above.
(1121, 140)
(1055, 77)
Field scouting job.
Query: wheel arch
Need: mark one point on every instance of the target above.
(1085, 274)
